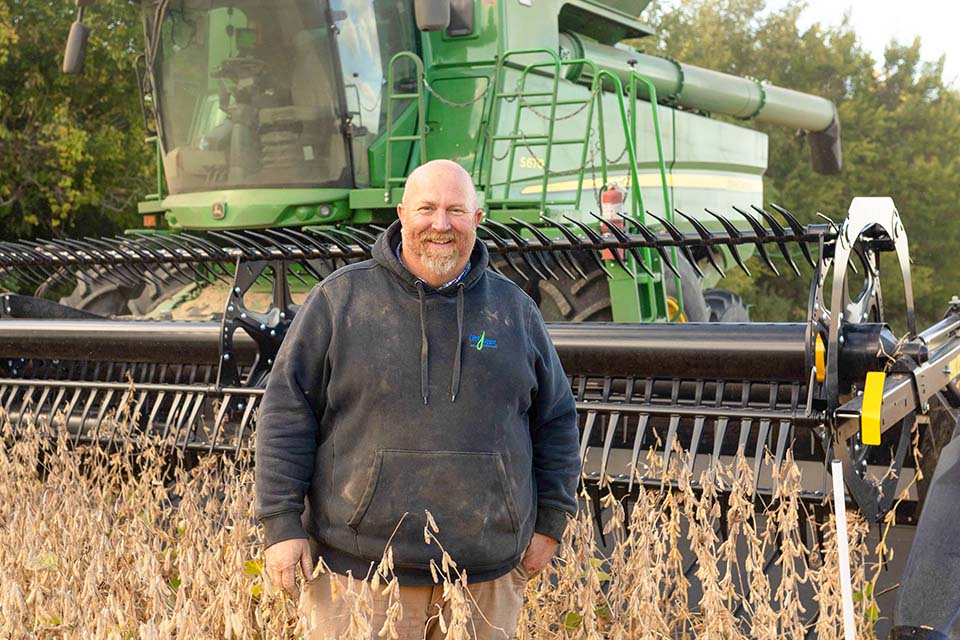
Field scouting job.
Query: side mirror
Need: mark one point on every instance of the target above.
(76, 51)
(432, 15)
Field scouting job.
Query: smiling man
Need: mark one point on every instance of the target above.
(412, 382)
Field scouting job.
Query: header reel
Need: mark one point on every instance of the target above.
(840, 384)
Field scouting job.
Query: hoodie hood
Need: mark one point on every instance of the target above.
(385, 254)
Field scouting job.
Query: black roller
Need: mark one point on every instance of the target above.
(708, 351)
(753, 351)
(119, 340)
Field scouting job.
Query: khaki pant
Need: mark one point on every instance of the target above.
(329, 618)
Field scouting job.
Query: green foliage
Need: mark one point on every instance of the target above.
(900, 128)
(72, 157)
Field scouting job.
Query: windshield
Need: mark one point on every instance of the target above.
(272, 93)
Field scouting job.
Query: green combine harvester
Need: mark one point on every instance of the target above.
(284, 131)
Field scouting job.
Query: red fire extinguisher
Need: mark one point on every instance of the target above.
(612, 202)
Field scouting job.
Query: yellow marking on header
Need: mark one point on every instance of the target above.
(820, 359)
(746, 184)
(870, 408)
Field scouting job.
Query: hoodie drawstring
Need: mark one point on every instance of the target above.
(424, 347)
(455, 383)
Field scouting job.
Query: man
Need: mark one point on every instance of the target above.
(418, 381)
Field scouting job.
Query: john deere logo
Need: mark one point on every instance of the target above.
(482, 342)
(218, 210)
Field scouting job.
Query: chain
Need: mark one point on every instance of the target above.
(457, 105)
(586, 103)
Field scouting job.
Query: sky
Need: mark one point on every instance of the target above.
(876, 22)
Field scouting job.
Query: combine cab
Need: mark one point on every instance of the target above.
(284, 132)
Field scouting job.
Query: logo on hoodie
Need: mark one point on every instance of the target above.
(481, 342)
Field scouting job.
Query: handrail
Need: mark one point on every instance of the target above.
(419, 137)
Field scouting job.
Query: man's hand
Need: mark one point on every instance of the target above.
(281, 562)
(538, 553)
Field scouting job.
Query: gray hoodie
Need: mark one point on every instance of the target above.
(389, 398)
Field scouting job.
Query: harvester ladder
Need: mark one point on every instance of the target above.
(419, 137)
(531, 100)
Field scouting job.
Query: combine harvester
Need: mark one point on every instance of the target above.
(284, 132)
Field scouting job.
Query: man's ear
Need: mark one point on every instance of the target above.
(400, 210)
(479, 217)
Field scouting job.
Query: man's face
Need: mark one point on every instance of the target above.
(439, 219)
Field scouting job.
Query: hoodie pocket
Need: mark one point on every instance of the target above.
(467, 493)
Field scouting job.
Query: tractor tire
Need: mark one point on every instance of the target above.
(158, 288)
(580, 300)
(98, 295)
(726, 306)
(588, 300)
(101, 296)
(530, 285)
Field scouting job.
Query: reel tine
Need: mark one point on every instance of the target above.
(371, 238)
(315, 242)
(758, 454)
(27, 271)
(544, 240)
(677, 239)
(608, 443)
(672, 427)
(695, 441)
(355, 238)
(784, 430)
(797, 229)
(595, 239)
(153, 253)
(519, 242)
(241, 240)
(644, 420)
(326, 236)
(735, 235)
(252, 401)
(135, 278)
(648, 236)
(780, 233)
(87, 406)
(272, 244)
(187, 264)
(587, 432)
(184, 243)
(620, 236)
(719, 431)
(557, 254)
(707, 238)
(191, 423)
(297, 242)
(502, 245)
(364, 248)
(140, 253)
(760, 234)
(572, 239)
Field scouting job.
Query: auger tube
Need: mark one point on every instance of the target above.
(710, 91)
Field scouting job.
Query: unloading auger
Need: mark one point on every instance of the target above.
(839, 385)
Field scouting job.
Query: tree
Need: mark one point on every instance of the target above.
(72, 157)
(900, 125)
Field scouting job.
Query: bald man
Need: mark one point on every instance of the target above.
(412, 382)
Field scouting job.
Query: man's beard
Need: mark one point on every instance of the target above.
(440, 261)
